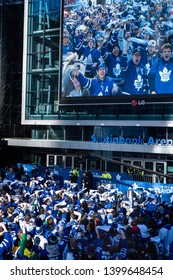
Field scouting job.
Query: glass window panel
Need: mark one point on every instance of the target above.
(156, 132)
(51, 160)
(39, 134)
(149, 165)
(137, 163)
(73, 133)
(68, 161)
(160, 167)
(114, 131)
(170, 132)
(88, 131)
(169, 167)
(43, 56)
(132, 131)
(56, 133)
(112, 167)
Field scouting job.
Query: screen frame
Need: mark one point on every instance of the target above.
(103, 100)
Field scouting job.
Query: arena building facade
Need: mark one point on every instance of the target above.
(132, 129)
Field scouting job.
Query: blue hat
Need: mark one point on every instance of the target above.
(38, 222)
(101, 65)
(91, 39)
(137, 50)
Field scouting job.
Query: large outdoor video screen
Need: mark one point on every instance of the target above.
(117, 50)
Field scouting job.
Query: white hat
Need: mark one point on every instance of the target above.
(49, 216)
(91, 214)
(32, 221)
(47, 198)
(152, 43)
(82, 200)
(39, 230)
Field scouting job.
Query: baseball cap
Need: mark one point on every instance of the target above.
(91, 39)
(101, 65)
(99, 37)
(39, 230)
(48, 217)
(137, 50)
(152, 43)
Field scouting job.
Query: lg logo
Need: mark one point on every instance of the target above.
(137, 102)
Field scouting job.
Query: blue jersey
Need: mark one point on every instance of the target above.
(161, 76)
(147, 59)
(134, 77)
(96, 86)
(5, 246)
(113, 65)
(90, 56)
(66, 49)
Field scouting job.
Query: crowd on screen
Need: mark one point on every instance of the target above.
(122, 48)
(41, 220)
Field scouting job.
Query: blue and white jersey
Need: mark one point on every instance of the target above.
(51, 252)
(105, 255)
(66, 49)
(62, 244)
(147, 59)
(11, 176)
(161, 76)
(90, 56)
(113, 65)
(13, 237)
(96, 86)
(134, 77)
(122, 43)
(5, 246)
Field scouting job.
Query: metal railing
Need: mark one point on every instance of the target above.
(147, 178)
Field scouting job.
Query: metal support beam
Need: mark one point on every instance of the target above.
(129, 165)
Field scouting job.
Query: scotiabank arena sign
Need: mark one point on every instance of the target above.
(131, 140)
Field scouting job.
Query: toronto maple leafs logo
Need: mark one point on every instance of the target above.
(101, 61)
(138, 83)
(134, 185)
(118, 177)
(89, 59)
(117, 70)
(165, 74)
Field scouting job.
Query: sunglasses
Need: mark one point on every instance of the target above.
(99, 40)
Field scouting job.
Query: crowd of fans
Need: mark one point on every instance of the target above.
(120, 48)
(41, 220)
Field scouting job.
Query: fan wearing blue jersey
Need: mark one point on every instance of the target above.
(101, 85)
(161, 73)
(134, 72)
(90, 55)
